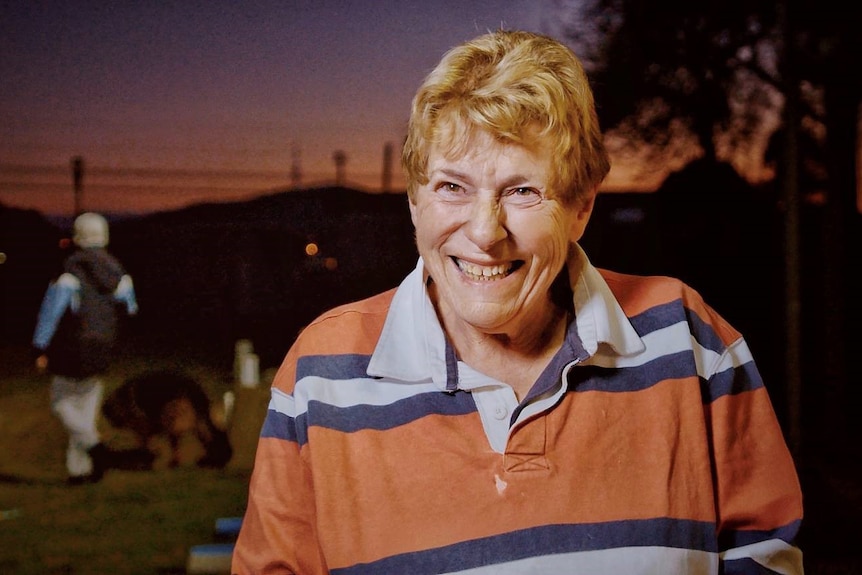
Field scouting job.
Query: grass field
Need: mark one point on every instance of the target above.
(132, 522)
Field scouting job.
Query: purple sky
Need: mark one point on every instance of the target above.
(172, 103)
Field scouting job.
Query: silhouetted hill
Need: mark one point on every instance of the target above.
(213, 273)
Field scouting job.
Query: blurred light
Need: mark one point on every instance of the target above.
(817, 198)
(630, 215)
(311, 249)
(331, 263)
(2, 258)
(65, 243)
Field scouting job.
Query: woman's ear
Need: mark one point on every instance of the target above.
(583, 209)
(412, 206)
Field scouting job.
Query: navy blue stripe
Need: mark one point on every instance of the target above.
(542, 541)
(355, 418)
(668, 314)
(674, 366)
(278, 425)
(344, 366)
(658, 317)
(451, 368)
(381, 417)
(732, 381)
(571, 350)
(623, 379)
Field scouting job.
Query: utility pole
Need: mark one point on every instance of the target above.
(386, 183)
(340, 159)
(792, 280)
(77, 181)
(295, 167)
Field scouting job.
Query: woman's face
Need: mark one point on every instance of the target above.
(492, 235)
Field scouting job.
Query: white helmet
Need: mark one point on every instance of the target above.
(90, 231)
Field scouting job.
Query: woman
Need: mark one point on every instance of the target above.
(510, 408)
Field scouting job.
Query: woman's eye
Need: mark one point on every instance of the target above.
(524, 196)
(449, 187)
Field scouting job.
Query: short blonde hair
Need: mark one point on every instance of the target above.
(509, 83)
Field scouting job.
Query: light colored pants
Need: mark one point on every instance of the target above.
(76, 402)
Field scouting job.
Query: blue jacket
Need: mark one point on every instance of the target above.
(78, 320)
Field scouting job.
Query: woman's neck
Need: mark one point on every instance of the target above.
(516, 357)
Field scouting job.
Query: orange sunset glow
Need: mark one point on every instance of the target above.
(170, 106)
(174, 105)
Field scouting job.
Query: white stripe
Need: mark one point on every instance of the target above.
(662, 342)
(673, 339)
(282, 403)
(628, 560)
(737, 354)
(358, 391)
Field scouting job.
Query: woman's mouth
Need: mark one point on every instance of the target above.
(486, 273)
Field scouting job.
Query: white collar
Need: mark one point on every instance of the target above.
(412, 345)
(599, 317)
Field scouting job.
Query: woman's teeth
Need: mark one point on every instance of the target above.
(484, 273)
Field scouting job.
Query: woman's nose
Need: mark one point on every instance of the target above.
(487, 223)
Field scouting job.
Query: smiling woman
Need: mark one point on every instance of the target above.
(509, 407)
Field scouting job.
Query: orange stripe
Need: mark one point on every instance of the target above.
(754, 463)
(278, 485)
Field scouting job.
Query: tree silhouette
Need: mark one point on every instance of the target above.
(668, 73)
(671, 76)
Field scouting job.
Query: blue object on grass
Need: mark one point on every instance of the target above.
(228, 525)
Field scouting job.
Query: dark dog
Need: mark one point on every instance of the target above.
(170, 405)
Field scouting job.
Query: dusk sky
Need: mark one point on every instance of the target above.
(174, 103)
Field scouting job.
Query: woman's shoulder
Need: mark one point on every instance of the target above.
(352, 327)
(638, 294)
(648, 289)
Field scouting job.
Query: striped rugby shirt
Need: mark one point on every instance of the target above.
(648, 445)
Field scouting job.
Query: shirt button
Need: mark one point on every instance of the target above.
(500, 412)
